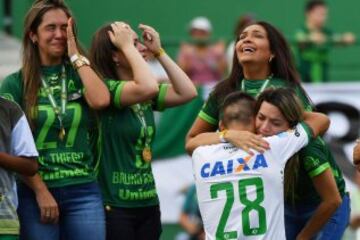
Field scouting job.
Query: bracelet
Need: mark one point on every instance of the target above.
(78, 61)
(222, 136)
(159, 53)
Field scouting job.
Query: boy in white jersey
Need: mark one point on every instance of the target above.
(17, 154)
(241, 195)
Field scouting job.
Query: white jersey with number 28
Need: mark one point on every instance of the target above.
(241, 196)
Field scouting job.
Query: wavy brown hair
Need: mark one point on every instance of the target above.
(101, 51)
(31, 63)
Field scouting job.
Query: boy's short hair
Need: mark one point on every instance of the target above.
(244, 108)
(310, 5)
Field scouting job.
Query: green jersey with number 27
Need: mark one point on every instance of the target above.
(70, 160)
(241, 196)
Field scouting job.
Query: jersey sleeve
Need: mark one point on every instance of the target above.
(11, 89)
(159, 101)
(115, 88)
(314, 157)
(286, 144)
(22, 141)
(210, 110)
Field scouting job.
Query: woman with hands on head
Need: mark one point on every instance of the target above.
(57, 89)
(128, 128)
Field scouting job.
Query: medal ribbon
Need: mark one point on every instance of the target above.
(59, 111)
(141, 116)
(263, 86)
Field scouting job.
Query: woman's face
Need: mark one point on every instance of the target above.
(50, 36)
(318, 16)
(253, 45)
(138, 45)
(270, 121)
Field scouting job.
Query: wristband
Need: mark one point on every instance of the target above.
(159, 53)
(78, 61)
(222, 136)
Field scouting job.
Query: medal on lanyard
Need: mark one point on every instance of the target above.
(146, 152)
(59, 111)
(62, 133)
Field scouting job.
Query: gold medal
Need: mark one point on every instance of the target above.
(62, 133)
(146, 154)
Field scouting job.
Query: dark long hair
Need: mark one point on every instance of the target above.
(282, 66)
(101, 51)
(31, 63)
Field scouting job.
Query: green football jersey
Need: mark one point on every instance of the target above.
(70, 160)
(211, 109)
(125, 178)
(314, 160)
(313, 59)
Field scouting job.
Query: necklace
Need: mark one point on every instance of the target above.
(263, 86)
(59, 111)
(146, 152)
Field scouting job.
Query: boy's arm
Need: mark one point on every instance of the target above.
(23, 165)
(23, 153)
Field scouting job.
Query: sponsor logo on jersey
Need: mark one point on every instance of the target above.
(71, 85)
(286, 133)
(229, 147)
(225, 167)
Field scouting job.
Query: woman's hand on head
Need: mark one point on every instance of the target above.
(151, 38)
(71, 41)
(121, 35)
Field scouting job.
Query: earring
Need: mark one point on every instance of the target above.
(271, 58)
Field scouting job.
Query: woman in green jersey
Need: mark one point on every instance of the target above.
(262, 59)
(128, 128)
(57, 88)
